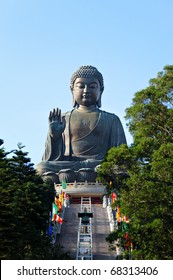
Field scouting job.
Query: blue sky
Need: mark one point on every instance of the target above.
(42, 42)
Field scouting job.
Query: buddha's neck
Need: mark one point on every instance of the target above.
(84, 109)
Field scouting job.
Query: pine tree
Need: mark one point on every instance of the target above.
(6, 205)
(25, 205)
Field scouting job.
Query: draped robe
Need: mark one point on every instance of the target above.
(85, 151)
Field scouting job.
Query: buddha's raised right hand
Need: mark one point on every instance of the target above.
(56, 126)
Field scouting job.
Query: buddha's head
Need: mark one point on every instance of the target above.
(89, 79)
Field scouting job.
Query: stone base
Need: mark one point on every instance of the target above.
(78, 189)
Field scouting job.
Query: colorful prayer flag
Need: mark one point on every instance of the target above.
(54, 209)
(59, 219)
(114, 196)
(118, 215)
(64, 184)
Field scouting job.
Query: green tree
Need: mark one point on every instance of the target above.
(25, 204)
(150, 116)
(6, 210)
(146, 196)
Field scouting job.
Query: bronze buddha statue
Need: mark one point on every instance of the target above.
(81, 138)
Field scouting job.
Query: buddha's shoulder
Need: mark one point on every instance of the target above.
(109, 115)
(66, 115)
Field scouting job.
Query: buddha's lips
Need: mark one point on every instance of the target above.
(86, 96)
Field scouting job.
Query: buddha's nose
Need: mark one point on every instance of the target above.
(86, 89)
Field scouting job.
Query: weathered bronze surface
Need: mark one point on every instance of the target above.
(81, 138)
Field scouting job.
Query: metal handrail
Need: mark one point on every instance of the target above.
(84, 241)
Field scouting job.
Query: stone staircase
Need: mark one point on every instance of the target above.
(100, 230)
(69, 229)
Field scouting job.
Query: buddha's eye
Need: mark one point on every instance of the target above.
(80, 85)
(93, 85)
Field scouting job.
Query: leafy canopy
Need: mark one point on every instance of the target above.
(146, 194)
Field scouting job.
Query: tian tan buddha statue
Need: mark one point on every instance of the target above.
(78, 140)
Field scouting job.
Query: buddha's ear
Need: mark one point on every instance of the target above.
(99, 103)
(74, 103)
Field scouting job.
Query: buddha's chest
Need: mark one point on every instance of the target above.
(81, 124)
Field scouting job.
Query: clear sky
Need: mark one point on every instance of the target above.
(42, 42)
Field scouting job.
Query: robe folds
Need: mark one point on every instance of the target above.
(108, 132)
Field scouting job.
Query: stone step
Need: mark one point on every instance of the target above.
(100, 230)
(94, 200)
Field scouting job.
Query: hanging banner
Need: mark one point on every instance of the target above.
(54, 209)
(64, 184)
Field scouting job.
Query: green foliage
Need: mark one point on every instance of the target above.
(25, 204)
(146, 196)
(114, 167)
(150, 116)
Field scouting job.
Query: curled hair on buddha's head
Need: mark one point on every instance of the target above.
(87, 71)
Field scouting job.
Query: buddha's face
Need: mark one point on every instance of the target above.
(86, 91)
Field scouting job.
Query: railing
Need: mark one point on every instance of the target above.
(80, 184)
(112, 222)
(82, 187)
(84, 242)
